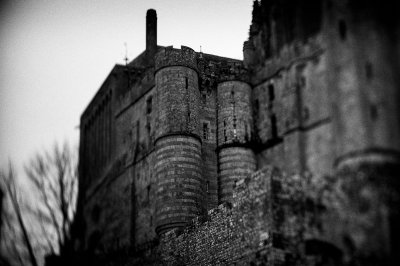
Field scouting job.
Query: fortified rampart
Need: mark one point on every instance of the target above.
(245, 231)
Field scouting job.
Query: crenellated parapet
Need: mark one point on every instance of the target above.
(169, 56)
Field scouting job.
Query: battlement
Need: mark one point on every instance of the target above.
(169, 56)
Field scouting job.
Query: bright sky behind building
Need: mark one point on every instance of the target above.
(55, 54)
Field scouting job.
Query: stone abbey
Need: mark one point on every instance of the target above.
(289, 157)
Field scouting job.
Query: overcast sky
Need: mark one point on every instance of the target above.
(55, 54)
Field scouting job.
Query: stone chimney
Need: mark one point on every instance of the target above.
(151, 33)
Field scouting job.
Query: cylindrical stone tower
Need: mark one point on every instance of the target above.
(235, 129)
(179, 195)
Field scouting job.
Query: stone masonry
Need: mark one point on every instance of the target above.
(289, 157)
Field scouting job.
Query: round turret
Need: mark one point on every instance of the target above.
(178, 92)
(235, 119)
(179, 178)
(179, 194)
(235, 131)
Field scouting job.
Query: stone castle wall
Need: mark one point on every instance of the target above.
(313, 101)
(261, 226)
(242, 232)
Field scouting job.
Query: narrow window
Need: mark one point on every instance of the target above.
(373, 112)
(205, 131)
(149, 103)
(368, 70)
(274, 129)
(271, 92)
(225, 137)
(256, 106)
(148, 192)
(188, 103)
(342, 30)
(234, 127)
(204, 97)
(148, 126)
(207, 185)
(246, 135)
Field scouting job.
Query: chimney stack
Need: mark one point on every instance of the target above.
(151, 33)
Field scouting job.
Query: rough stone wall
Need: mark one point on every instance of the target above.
(135, 128)
(127, 179)
(96, 148)
(292, 118)
(143, 202)
(362, 82)
(278, 219)
(291, 102)
(108, 228)
(235, 117)
(129, 184)
(208, 126)
(234, 164)
(135, 133)
(211, 69)
(259, 228)
(235, 134)
(180, 184)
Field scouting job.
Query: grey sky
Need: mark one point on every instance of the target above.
(55, 54)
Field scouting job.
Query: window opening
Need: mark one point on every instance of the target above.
(271, 92)
(149, 103)
(274, 129)
(205, 131)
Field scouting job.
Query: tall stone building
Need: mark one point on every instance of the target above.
(289, 157)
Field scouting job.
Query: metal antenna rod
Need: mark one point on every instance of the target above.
(126, 54)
